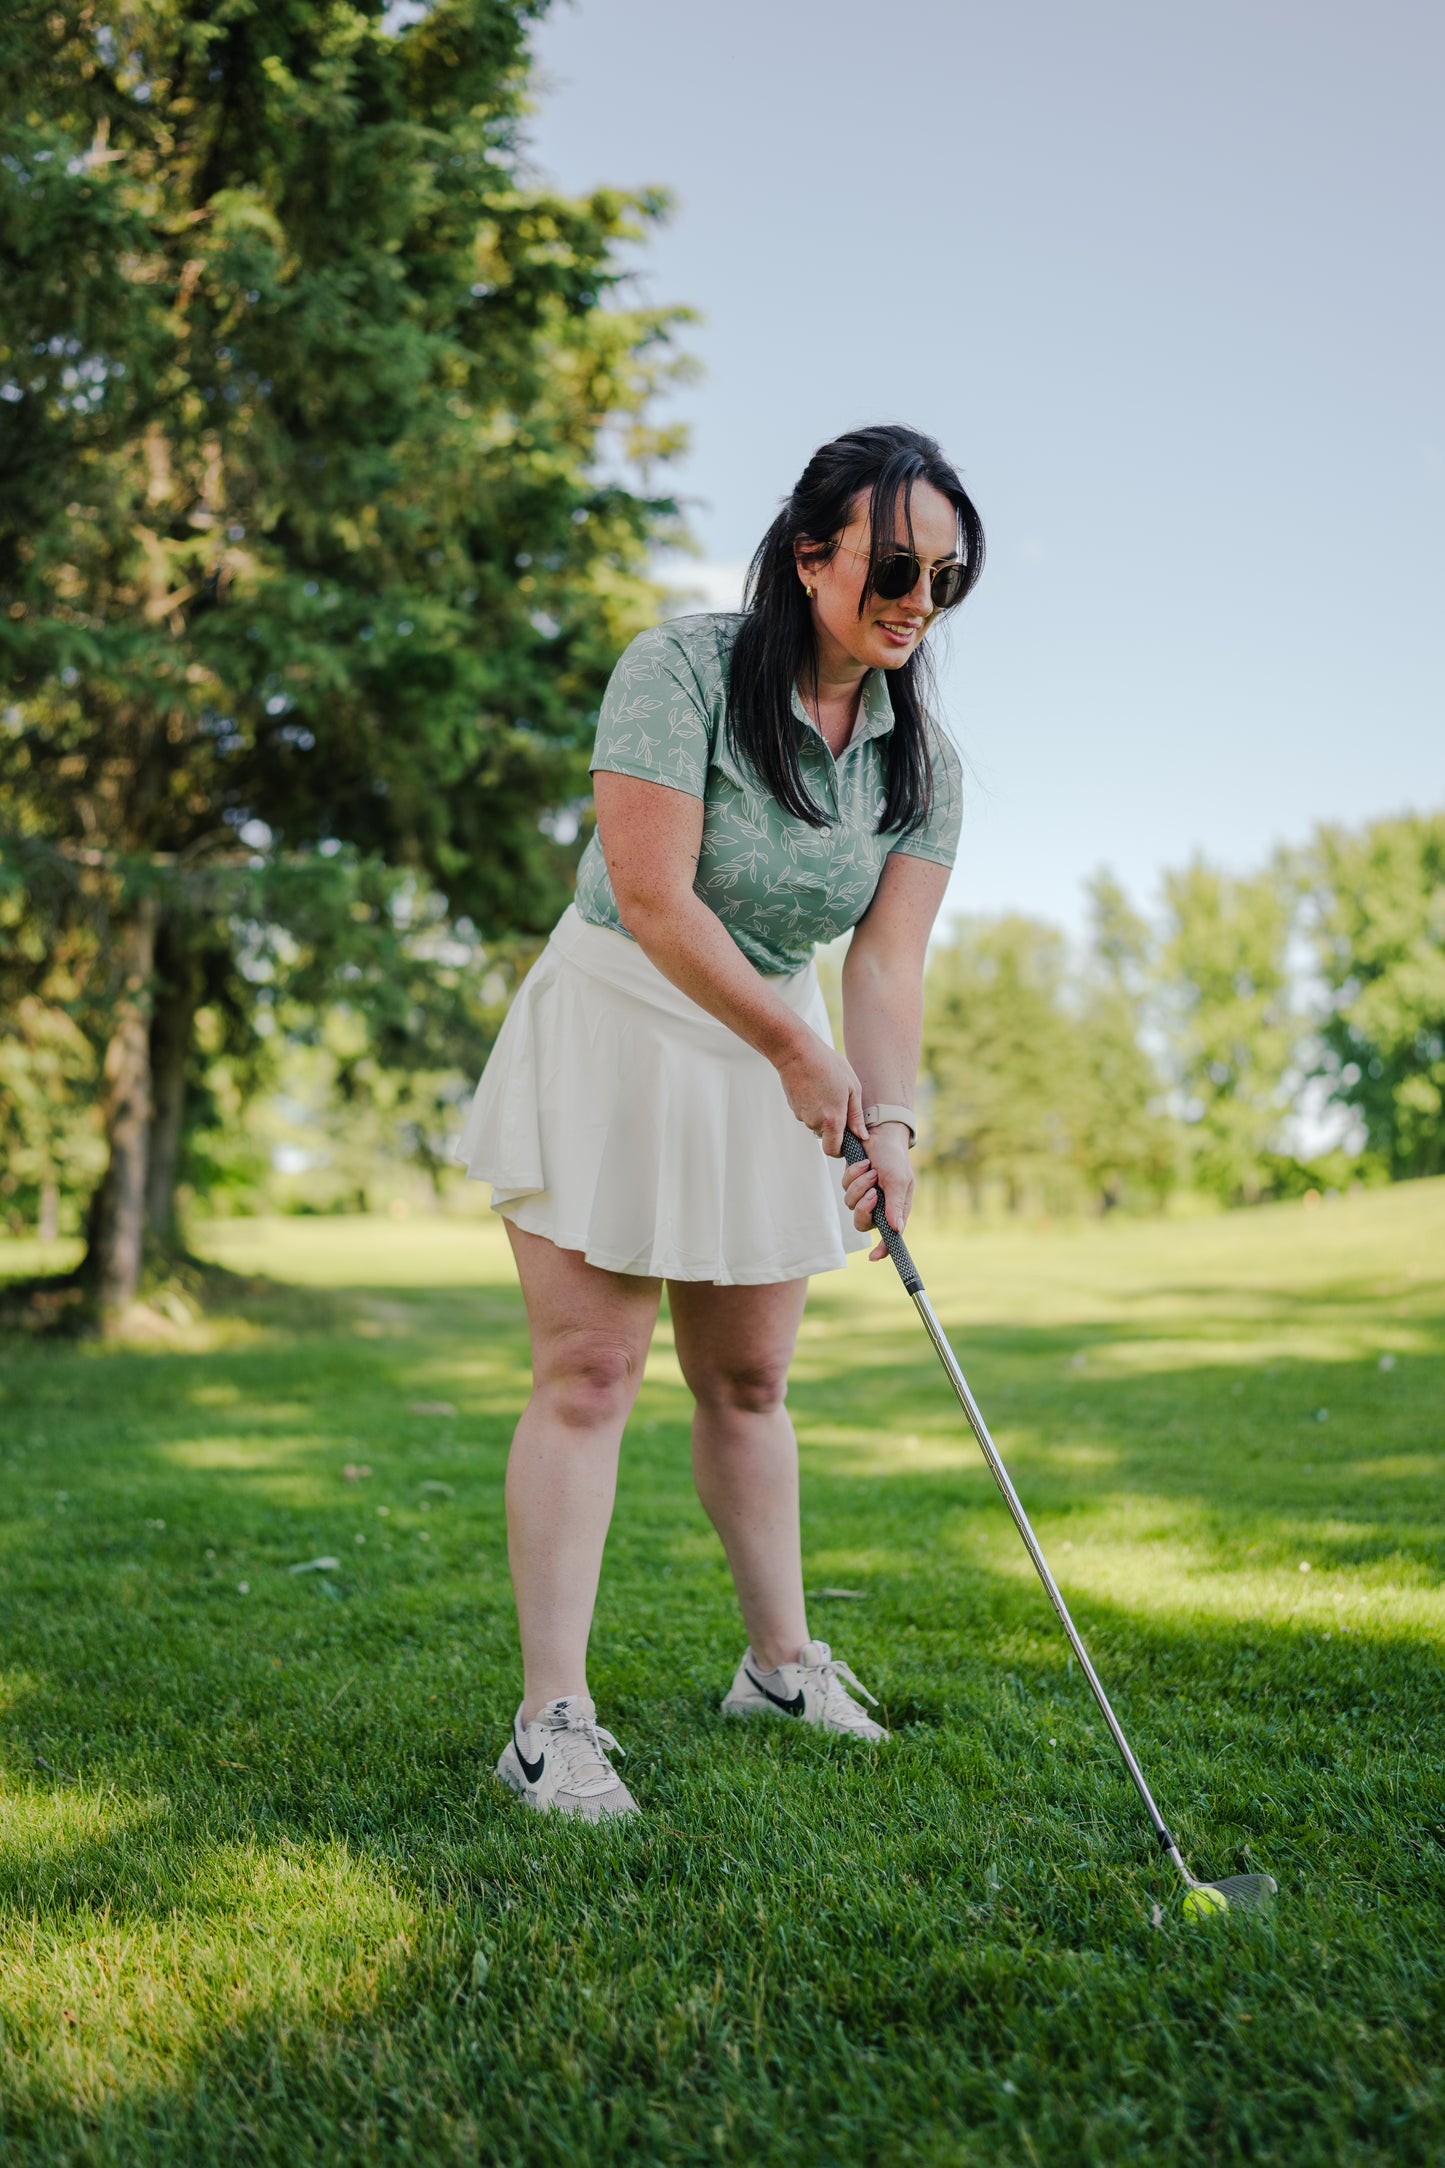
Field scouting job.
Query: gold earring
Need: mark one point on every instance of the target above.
(808, 592)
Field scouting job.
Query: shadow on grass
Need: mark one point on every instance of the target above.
(250, 1926)
(1263, 1455)
(813, 1955)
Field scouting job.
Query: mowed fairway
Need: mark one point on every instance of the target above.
(263, 1902)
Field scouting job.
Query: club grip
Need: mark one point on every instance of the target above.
(893, 1242)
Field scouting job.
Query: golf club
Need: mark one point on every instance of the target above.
(1247, 1891)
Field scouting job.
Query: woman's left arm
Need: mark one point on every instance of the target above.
(883, 1025)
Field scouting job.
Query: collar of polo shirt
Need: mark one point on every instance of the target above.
(875, 714)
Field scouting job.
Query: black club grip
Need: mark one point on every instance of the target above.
(897, 1248)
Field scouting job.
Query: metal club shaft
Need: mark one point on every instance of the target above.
(853, 1151)
(1012, 1500)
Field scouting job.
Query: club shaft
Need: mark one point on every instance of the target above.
(1012, 1500)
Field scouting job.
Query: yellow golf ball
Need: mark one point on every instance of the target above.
(1205, 1903)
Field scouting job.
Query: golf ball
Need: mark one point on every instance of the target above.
(1204, 1903)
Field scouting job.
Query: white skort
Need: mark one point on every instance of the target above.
(617, 1118)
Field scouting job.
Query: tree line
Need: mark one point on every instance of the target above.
(1258, 1037)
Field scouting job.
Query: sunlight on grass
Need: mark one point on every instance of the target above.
(246, 1453)
(363, 1252)
(1317, 1339)
(124, 1996)
(862, 1454)
(1145, 1568)
(260, 1897)
(36, 1821)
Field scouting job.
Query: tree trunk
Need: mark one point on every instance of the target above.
(117, 1218)
(178, 989)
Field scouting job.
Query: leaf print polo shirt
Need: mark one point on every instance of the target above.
(777, 884)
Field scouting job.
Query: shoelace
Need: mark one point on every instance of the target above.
(584, 1745)
(841, 1705)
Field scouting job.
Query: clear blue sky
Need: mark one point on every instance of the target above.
(1165, 280)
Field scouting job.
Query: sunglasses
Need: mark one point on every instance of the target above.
(897, 574)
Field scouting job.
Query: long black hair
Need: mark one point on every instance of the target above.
(775, 647)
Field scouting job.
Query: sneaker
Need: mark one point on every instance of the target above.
(560, 1760)
(812, 1688)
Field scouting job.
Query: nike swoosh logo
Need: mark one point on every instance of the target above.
(530, 1770)
(789, 1708)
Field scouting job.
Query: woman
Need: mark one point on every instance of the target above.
(655, 1102)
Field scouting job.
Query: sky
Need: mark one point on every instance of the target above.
(1164, 281)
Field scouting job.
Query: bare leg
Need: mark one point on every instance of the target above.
(734, 1345)
(590, 1332)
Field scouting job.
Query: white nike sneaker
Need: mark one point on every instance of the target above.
(560, 1760)
(813, 1688)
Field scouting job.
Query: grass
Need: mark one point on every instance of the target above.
(261, 1902)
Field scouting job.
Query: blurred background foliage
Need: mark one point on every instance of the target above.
(1259, 1036)
(327, 501)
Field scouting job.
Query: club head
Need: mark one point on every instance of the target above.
(1245, 1892)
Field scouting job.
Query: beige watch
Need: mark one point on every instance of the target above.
(876, 1116)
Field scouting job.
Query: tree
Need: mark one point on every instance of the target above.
(1127, 1145)
(46, 1072)
(997, 1050)
(1377, 913)
(1224, 981)
(51, 971)
(307, 538)
(1037, 1081)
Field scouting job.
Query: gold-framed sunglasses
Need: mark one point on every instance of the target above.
(897, 574)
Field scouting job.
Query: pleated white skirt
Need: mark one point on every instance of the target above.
(617, 1118)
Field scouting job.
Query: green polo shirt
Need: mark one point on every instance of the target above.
(778, 885)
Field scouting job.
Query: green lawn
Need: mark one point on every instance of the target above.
(263, 1902)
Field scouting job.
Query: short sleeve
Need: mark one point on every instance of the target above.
(654, 722)
(937, 837)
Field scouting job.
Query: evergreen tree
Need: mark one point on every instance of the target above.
(308, 547)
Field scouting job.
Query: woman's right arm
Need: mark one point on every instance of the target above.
(650, 838)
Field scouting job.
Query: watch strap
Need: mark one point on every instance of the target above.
(874, 1116)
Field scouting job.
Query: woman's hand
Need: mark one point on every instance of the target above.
(822, 1091)
(887, 1162)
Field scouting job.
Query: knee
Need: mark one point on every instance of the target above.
(751, 1385)
(590, 1379)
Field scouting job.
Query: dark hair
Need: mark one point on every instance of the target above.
(775, 645)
